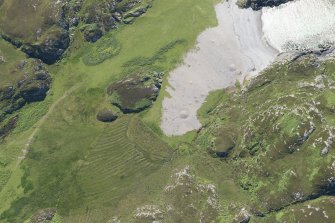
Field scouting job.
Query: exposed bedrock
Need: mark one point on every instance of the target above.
(258, 4)
(32, 85)
(50, 49)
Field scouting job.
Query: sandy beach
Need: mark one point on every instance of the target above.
(230, 52)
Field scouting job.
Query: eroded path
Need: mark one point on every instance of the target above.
(38, 125)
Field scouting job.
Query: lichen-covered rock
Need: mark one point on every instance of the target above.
(43, 216)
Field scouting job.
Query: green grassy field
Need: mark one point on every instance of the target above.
(75, 163)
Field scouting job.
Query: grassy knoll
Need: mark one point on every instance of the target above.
(75, 163)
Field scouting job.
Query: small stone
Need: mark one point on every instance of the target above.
(232, 67)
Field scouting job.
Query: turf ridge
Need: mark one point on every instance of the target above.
(113, 164)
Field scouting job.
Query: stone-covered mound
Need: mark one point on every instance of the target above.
(278, 134)
(136, 93)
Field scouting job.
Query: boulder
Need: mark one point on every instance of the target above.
(106, 116)
(92, 33)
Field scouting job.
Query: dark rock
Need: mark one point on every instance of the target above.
(34, 84)
(7, 93)
(92, 33)
(51, 48)
(34, 91)
(15, 42)
(106, 116)
(258, 4)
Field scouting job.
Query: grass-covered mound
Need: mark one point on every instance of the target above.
(136, 93)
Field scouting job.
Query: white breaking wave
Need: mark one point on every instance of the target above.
(300, 25)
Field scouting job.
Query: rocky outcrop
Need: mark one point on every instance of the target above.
(51, 24)
(50, 48)
(258, 4)
(43, 216)
(33, 84)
